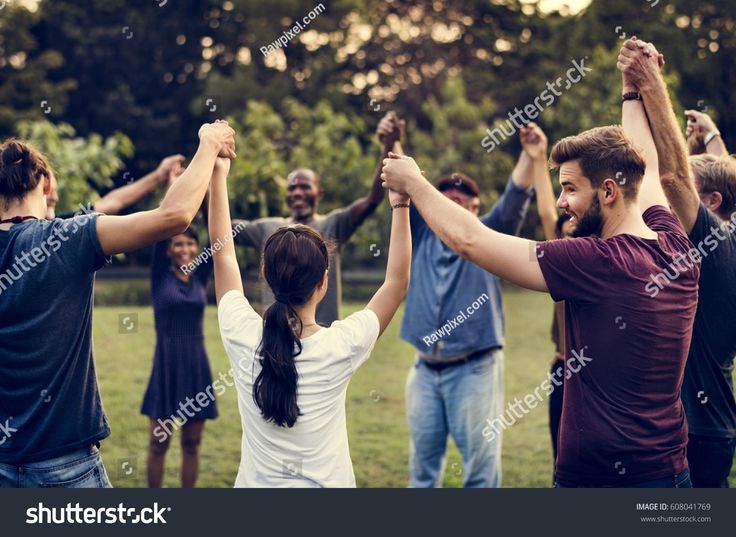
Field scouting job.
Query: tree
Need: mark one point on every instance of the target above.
(83, 166)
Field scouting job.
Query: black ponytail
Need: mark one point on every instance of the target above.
(295, 259)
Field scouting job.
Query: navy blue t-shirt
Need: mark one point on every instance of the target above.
(49, 401)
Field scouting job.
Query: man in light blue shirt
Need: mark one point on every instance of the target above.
(454, 319)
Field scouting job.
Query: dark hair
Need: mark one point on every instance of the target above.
(192, 233)
(603, 152)
(21, 168)
(716, 174)
(460, 181)
(295, 259)
(564, 217)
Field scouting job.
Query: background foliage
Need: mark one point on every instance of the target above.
(155, 73)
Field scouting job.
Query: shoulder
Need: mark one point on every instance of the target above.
(659, 218)
(358, 329)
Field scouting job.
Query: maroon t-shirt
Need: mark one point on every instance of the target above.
(622, 419)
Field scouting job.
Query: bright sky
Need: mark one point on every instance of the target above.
(551, 5)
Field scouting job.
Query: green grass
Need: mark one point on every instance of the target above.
(375, 405)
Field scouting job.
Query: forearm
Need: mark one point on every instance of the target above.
(546, 205)
(668, 140)
(506, 256)
(523, 173)
(674, 169)
(636, 126)
(120, 198)
(399, 250)
(186, 194)
(227, 270)
(717, 147)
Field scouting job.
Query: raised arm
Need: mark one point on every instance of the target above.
(389, 131)
(389, 296)
(180, 205)
(534, 142)
(511, 258)
(121, 198)
(641, 67)
(702, 133)
(227, 271)
(636, 126)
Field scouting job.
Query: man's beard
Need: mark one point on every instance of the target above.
(591, 223)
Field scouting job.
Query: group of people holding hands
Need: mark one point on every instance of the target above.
(654, 407)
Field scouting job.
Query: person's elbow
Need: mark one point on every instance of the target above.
(175, 220)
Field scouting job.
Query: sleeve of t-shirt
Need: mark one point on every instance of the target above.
(248, 233)
(240, 325)
(507, 214)
(659, 219)
(704, 223)
(80, 249)
(357, 334)
(575, 269)
(339, 225)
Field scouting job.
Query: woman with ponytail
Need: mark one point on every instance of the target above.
(292, 374)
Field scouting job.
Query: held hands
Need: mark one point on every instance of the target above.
(534, 141)
(169, 168)
(390, 129)
(221, 136)
(399, 173)
(699, 124)
(639, 63)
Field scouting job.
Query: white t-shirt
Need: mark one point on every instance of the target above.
(314, 452)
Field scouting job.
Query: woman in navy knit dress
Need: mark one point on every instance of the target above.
(181, 368)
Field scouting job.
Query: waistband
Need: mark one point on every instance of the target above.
(439, 366)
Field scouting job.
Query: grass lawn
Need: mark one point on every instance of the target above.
(375, 408)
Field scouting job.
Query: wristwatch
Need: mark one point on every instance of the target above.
(631, 96)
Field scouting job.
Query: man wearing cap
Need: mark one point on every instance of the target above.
(454, 319)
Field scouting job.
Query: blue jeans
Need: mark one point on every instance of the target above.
(677, 481)
(455, 401)
(79, 469)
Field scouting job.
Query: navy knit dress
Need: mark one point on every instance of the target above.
(181, 368)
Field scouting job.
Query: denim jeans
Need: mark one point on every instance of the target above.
(455, 401)
(79, 469)
(677, 481)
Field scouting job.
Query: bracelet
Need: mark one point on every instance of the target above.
(631, 96)
(399, 205)
(709, 137)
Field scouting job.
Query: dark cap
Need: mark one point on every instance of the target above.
(461, 182)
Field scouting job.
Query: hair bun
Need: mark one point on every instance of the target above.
(14, 153)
